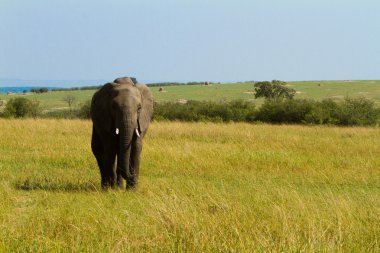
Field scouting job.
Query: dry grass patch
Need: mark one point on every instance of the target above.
(203, 188)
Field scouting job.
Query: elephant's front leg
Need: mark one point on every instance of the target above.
(109, 174)
(107, 167)
(98, 150)
(134, 165)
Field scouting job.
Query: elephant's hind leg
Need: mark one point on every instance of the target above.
(97, 150)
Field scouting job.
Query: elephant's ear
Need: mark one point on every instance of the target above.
(146, 108)
(100, 113)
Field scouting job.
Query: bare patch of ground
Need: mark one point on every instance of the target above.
(20, 94)
(182, 101)
(337, 96)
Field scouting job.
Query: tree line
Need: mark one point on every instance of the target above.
(279, 107)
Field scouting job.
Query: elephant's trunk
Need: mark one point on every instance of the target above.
(125, 143)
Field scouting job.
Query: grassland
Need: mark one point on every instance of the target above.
(55, 100)
(217, 92)
(309, 89)
(203, 188)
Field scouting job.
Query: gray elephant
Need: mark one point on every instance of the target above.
(121, 112)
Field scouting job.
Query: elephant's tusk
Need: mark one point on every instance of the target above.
(117, 130)
(137, 132)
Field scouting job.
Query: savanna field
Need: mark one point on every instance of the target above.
(316, 90)
(204, 187)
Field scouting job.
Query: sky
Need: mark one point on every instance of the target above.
(183, 40)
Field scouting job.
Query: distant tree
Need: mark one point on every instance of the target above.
(69, 99)
(39, 90)
(273, 90)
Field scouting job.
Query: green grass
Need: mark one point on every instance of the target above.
(311, 89)
(203, 188)
(336, 90)
(214, 92)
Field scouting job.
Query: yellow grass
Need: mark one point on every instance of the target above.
(203, 188)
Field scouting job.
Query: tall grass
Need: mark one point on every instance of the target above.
(204, 187)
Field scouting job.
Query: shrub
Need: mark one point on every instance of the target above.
(284, 110)
(352, 111)
(324, 112)
(35, 109)
(84, 110)
(358, 111)
(21, 107)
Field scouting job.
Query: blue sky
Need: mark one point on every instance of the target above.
(190, 40)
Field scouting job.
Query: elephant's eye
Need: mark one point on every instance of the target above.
(138, 108)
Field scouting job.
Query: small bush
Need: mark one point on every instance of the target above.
(358, 111)
(20, 107)
(324, 112)
(84, 110)
(284, 110)
(35, 109)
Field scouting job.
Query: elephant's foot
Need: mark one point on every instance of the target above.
(132, 184)
(120, 183)
(105, 187)
(108, 183)
(131, 187)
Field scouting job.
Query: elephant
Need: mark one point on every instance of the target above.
(121, 112)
